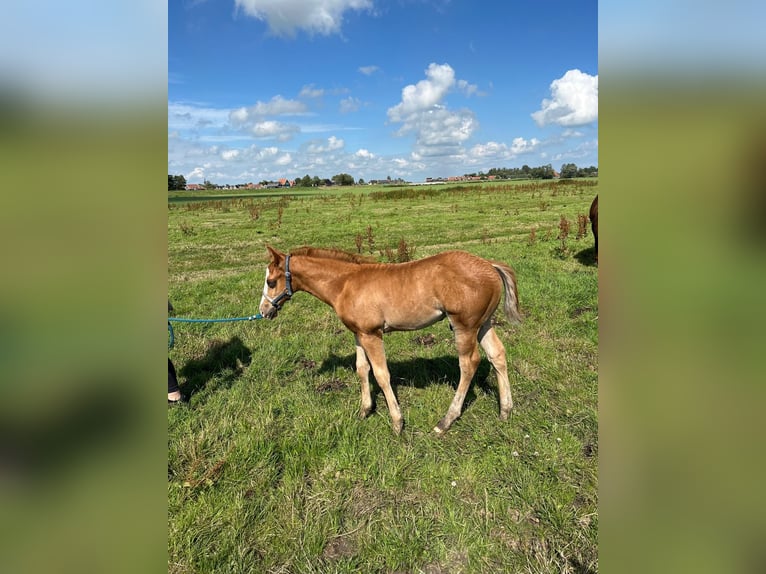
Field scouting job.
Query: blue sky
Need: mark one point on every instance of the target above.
(265, 89)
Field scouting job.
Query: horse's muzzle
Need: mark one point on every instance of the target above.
(271, 313)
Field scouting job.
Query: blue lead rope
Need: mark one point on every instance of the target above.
(171, 335)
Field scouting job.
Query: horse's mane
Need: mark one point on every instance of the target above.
(336, 254)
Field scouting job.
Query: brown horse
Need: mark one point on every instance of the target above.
(375, 298)
(594, 222)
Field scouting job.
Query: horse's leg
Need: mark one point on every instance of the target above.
(373, 347)
(468, 354)
(495, 351)
(363, 370)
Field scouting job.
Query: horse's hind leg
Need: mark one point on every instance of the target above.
(468, 353)
(373, 347)
(363, 370)
(495, 351)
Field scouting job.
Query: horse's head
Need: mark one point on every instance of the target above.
(277, 288)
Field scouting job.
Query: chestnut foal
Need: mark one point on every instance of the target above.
(375, 298)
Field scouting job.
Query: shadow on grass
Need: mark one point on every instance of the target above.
(223, 361)
(420, 373)
(587, 257)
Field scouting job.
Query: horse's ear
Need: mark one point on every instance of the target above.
(276, 256)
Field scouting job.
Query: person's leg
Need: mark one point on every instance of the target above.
(174, 393)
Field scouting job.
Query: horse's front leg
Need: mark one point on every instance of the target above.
(372, 344)
(363, 370)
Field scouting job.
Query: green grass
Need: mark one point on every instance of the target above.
(270, 469)
(218, 194)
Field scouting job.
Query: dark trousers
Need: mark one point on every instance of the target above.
(172, 380)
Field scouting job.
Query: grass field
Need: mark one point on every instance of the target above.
(269, 467)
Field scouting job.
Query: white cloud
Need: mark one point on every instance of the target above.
(284, 159)
(217, 144)
(284, 17)
(238, 116)
(277, 106)
(273, 129)
(437, 129)
(334, 143)
(489, 150)
(364, 154)
(196, 173)
(184, 116)
(469, 89)
(311, 92)
(520, 145)
(257, 120)
(348, 105)
(225, 165)
(574, 101)
(265, 129)
(319, 128)
(368, 70)
(323, 146)
(500, 151)
(267, 152)
(425, 94)
(442, 127)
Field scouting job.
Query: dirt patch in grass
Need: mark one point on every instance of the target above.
(331, 385)
(364, 502)
(339, 547)
(307, 364)
(425, 340)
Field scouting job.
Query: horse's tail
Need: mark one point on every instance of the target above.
(508, 276)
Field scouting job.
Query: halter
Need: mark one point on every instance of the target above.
(287, 293)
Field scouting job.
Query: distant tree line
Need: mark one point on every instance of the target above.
(308, 181)
(523, 172)
(568, 170)
(339, 179)
(176, 182)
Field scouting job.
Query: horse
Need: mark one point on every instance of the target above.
(373, 298)
(594, 222)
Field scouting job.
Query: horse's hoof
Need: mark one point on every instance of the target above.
(397, 427)
(441, 428)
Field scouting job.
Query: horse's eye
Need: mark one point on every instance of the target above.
(271, 283)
